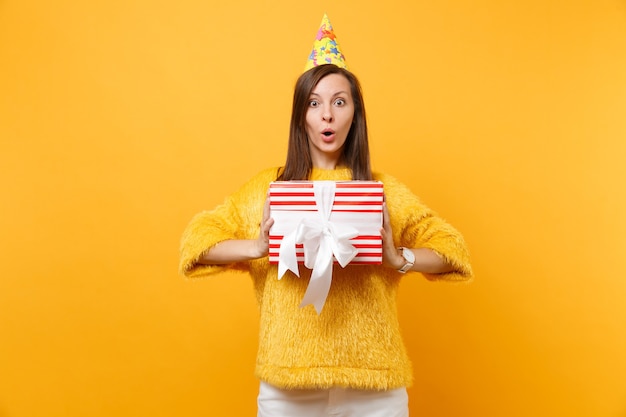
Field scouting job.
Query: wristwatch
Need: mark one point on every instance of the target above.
(409, 257)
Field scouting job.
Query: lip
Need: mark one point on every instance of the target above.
(328, 135)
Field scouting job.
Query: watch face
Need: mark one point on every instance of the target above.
(408, 255)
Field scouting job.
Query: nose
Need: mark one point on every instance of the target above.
(327, 115)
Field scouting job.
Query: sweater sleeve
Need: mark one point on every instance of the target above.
(415, 225)
(237, 217)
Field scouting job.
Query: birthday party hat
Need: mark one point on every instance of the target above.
(325, 48)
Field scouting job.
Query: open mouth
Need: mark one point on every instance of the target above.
(328, 132)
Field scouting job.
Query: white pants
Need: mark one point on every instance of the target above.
(335, 402)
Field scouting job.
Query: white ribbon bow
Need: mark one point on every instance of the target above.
(322, 239)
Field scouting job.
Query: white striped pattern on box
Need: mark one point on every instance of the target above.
(357, 203)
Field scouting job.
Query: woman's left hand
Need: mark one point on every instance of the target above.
(391, 255)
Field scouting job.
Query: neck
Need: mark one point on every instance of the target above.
(327, 163)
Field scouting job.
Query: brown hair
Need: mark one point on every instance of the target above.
(355, 154)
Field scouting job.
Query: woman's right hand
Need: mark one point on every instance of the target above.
(263, 241)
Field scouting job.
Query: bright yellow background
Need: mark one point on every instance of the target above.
(119, 120)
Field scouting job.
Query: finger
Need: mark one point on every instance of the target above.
(266, 209)
(386, 221)
(267, 225)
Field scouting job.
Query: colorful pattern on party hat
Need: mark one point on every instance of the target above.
(325, 48)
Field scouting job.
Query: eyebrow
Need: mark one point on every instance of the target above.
(338, 93)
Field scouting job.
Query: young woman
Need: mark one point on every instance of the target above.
(349, 360)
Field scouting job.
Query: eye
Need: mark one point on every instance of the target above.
(340, 102)
(313, 103)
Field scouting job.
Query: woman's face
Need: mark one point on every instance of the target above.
(328, 120)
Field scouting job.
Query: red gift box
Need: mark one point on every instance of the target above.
(358, 204)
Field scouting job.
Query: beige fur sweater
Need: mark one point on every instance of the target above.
(355, 341)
